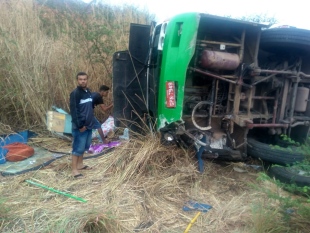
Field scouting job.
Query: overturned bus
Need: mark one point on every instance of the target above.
(230, 88)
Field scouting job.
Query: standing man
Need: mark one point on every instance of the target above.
(83, 121)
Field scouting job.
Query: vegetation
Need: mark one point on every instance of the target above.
(300, 147)
(144, 185)
(294, 211)
(260, 18)
(141, 185)
(4, 213)
(257, 18)
(44, 44)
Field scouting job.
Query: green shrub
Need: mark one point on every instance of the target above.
(295, 210)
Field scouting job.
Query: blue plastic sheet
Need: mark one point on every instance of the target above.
(40, 158)
(3, 152)
(193, 205)
(21, 137)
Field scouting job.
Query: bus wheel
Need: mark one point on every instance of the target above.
(286, 40)
(297, 174)
(273, 154)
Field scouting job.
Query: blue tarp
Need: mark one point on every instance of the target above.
(3, 152)
(21, 137)
(41, 157)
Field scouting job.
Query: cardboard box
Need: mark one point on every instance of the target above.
(59, 122)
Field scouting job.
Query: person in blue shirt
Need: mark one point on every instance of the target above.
(98, 98)
(98, 101)
(83, 122)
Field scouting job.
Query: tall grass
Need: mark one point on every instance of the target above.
(264, 219)
(282, 212)
(43, 45)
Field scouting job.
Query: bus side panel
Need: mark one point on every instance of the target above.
(178, 50)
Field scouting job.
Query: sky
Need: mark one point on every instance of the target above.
(294, 12)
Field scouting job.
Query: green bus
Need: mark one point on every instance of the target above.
(228, 88)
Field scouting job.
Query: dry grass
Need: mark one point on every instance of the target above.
(52, 142)
(31, 72)
(264, 217)
(5, 129)
(141, 183)
(42, 49)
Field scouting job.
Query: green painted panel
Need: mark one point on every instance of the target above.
(179, 48)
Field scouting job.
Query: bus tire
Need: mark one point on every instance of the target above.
(290, 175)
(272, 154)
(279, 40)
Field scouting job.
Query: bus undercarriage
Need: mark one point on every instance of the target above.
(213, 83)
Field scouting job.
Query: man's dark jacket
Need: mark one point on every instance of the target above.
(81, 108)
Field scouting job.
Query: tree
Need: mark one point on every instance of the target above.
(260, 18)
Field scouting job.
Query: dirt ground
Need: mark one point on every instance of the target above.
(138, 187)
